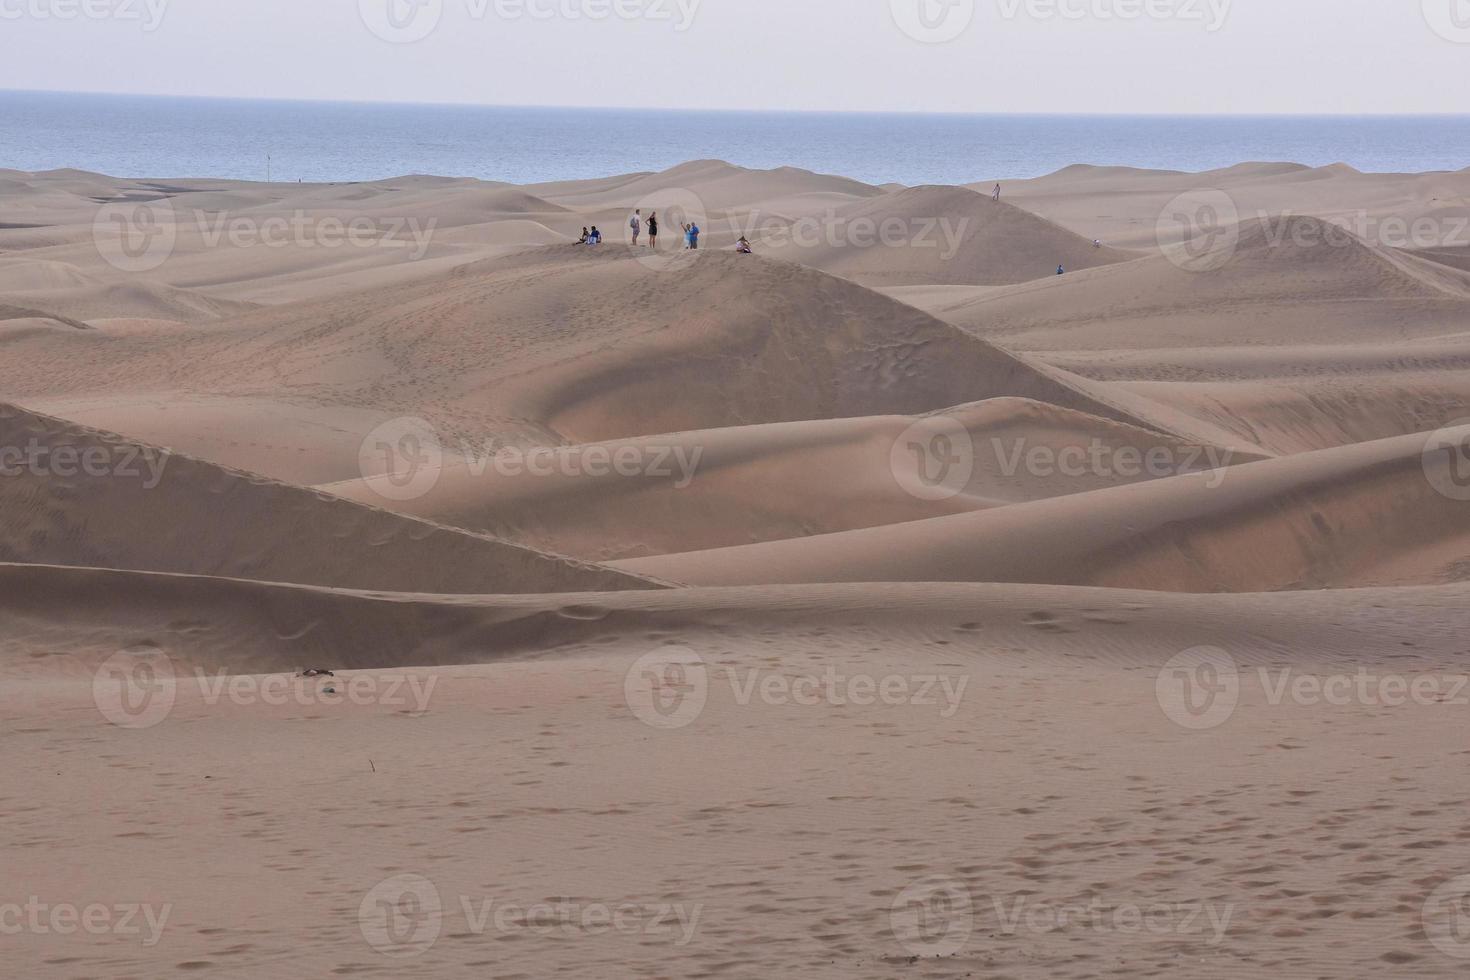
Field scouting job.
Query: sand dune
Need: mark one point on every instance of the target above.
(629, 348)
(715, 183)
(86, 498)
(1355, 516)
(738, 485)
(1277, 281)
(935, 235)
(1310, 307)
(1123, 205)
(531, 501)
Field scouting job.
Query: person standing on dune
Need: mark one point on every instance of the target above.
(636, 223)
(996, 196)
(653, 229)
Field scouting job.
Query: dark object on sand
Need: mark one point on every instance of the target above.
(316, 672)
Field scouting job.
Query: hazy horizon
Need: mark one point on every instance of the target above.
(1128, 57)
(732, 109)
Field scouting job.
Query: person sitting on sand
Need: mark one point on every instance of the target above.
(653, 229)
(1061, 271)
(595, 238)
(585, 236)
(743, 246)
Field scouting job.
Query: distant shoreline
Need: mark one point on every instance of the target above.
(358, 141)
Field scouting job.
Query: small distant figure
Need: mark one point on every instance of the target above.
(684, 229)
(1061, 271)
(996, 196)
(595, 238)
(653, 229)
(585, 236)
(743, 246)
(636, 224)
(693, 235)
(1097, 243)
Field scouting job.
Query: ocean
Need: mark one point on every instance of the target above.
(153, 136)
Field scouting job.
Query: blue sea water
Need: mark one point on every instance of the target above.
(152, 136)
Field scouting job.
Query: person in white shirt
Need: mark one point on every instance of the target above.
(636, 224)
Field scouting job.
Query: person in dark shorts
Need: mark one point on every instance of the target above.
(653, 229)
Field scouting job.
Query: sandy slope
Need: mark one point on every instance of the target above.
(1289, 841)
(1362, 515)
(859, 446)
(716, 487)
(1296, 336)
(1122, 205)
(80, 497)
(551, 345)
(935, 235)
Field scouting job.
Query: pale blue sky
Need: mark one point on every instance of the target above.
(1196, 56)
